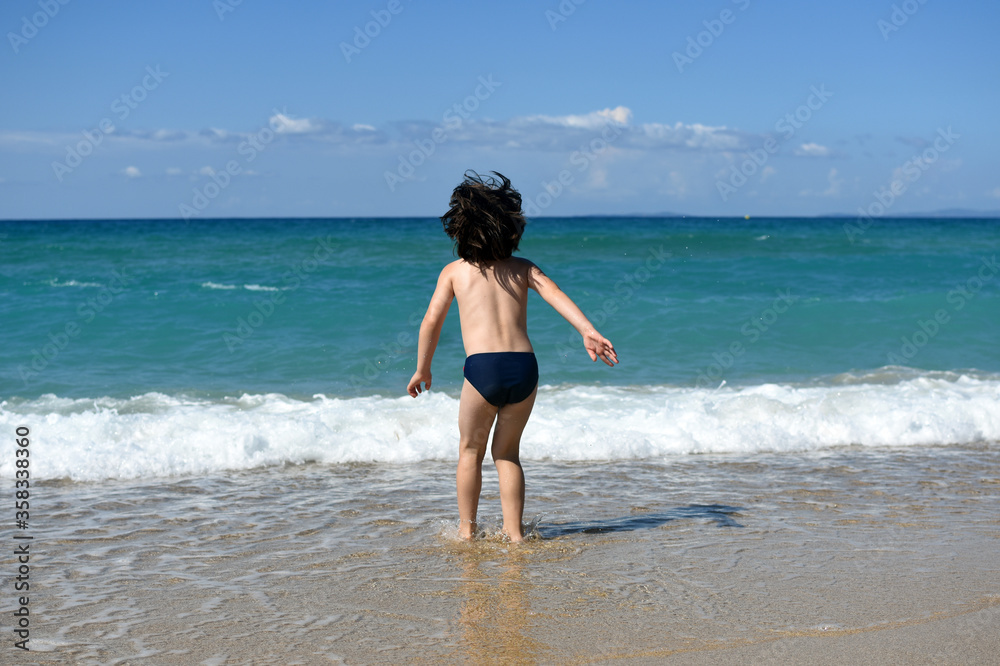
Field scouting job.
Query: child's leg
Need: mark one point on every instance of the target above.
(506, 455)
(475, 418)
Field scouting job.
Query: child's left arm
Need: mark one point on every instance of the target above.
(597, 346)
(430, 332)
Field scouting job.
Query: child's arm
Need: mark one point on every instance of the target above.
(430, 331)
(596, 344)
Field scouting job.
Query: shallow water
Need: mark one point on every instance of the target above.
(640, 559)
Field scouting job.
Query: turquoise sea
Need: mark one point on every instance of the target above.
(162, 347)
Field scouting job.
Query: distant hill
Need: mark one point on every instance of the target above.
(945, 212)
(957, 212)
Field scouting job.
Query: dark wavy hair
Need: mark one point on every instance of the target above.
(485, 218)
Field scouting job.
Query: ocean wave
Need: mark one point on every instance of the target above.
(155, 435)
(54, 282)
(249, 287)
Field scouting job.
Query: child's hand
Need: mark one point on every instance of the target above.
(413, 388)
(599, 347)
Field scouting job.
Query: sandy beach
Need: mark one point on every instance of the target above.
(849, 555)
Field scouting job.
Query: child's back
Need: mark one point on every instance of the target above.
(492, 304)
(501, 373)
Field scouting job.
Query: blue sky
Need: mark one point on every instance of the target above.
(724, 107)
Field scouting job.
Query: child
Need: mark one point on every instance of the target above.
(501, 374)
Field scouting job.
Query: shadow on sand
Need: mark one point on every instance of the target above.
(720, 513)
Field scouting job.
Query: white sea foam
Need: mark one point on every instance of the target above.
(248, 287)
(54, 282)
(158, 435)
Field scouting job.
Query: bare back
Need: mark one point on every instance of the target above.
(493, 304)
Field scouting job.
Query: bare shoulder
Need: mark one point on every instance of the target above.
(523, 265)
(451, 269)
(447, 279)
(533, 273)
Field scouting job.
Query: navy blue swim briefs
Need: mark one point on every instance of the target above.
(503, 378)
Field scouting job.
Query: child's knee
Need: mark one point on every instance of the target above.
(472, 454)
(506, 458)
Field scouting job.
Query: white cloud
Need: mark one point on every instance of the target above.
(812, 150)
(693, 137)
(167, 135)
(215, 133)
(594, 120)
(573, 132)
(17, 137)
(131, 172)
(174, 171)
(206, 171)
(767, 172)
(565, 133)
(282, 124)
(995, 193)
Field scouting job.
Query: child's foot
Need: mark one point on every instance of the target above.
(467, 532)
(513, 538)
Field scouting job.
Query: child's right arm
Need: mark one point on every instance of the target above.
(597, 346)
(430, 331)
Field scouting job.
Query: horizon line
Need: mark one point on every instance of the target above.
(945, 214)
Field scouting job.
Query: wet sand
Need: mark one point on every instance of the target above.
(846, 556)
